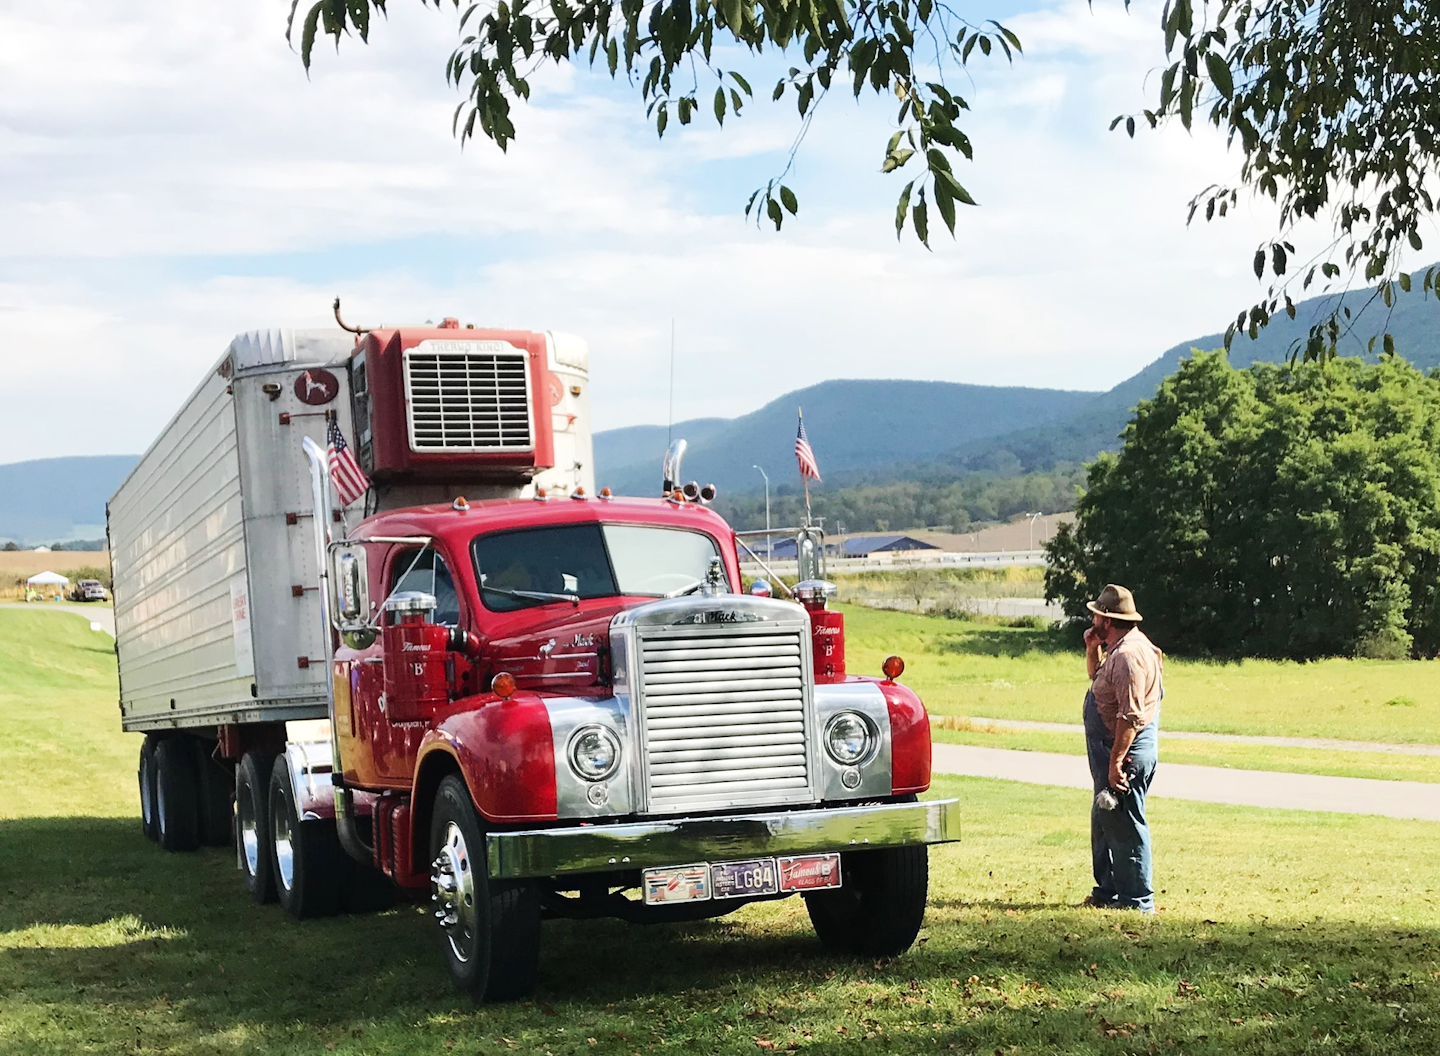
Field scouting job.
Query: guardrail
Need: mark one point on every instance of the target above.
(906, 559)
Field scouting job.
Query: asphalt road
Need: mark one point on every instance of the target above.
(1208, 784)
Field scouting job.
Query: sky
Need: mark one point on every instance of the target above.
(169, 176)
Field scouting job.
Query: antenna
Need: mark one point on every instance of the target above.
(670, 424)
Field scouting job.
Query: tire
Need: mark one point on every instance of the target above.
(878, 910)
(310, 868)
(177, 795)
(367, 889)
(146, 776)
(217, 795)
(489, 930)
(253, 849)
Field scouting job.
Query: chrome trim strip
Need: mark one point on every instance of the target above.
(641, 845)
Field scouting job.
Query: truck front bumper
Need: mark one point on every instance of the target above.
(676, 841)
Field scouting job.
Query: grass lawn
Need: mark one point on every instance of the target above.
(978, 669)
(1281, 932)
(1381, 766)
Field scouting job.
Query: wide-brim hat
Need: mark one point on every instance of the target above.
(1115, 602)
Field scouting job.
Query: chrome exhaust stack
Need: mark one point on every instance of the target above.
(323, 518)
(670, 467)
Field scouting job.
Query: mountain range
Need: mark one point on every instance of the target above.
(862, 430)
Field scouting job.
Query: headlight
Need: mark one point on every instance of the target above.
(594, 753)
(849, 738)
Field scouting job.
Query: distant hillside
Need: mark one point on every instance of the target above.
(1414, 322)
(853, 426)
(638, 444)
(56, 499)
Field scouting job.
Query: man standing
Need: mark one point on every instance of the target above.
(1122, 721)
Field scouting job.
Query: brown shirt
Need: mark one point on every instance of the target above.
(1128, 684)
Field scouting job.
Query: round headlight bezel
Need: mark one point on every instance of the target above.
(573, 751)
(871, 744)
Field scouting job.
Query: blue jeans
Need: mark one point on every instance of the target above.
(1120, 838)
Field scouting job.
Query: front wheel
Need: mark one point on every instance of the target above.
(879, 907)
(489, 930)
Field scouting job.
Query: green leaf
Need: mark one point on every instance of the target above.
(720, 105)
(661, 120)
(787, 196)
(920, 218)
(1259, 262)
(1405, 281)
(776, 216)
(307, 33)
(1219, 72)
(896, 159)
(1389, 345)
(945, 202)
(902, 209)
(744, 84)
(959, 193)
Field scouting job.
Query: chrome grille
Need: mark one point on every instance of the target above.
(726, 717)
(468, 401)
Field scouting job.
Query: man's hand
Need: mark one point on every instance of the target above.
(1092, 638)
(1118, 781)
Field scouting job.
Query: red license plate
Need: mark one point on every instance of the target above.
(809, 872)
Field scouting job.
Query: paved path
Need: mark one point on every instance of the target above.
(104, 615)
(1323, 743)
(1208, 784)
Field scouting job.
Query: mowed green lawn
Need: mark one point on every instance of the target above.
(1281, 933)
(977, 669)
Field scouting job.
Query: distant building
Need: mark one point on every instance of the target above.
(883, 544)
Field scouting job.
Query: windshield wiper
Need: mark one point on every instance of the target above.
(691, 589)
(533, 595)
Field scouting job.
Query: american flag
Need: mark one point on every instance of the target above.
(804, 455)
(349, 479)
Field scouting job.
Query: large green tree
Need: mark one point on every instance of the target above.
(1270, 511)
(1331, 103)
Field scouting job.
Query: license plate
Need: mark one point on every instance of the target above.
(679, 883)
(809, 872)
(743, 879)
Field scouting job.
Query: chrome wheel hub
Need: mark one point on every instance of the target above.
(284, 848)
(452, 889)
(249, 831)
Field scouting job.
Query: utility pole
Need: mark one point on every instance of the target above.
(1032, 517)
(768, 554)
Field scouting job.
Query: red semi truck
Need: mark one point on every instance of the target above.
(484, 680)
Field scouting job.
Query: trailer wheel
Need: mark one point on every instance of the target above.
(217, 792)
(878, 910)
(146, 776)
(177, 818)
(252, 825)
(489, 930)
(309, 865)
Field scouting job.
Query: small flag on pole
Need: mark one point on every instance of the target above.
(805, 456)
(349, 479)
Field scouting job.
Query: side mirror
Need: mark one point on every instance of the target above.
(350, 588)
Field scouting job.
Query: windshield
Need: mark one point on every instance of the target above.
(541, 566)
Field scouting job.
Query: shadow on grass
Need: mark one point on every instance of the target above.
(1004, 643)
(200, 964)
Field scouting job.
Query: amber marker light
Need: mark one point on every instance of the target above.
(893, 667)
(606, 494)
(540, 495)
(460, 504)
(503, 685)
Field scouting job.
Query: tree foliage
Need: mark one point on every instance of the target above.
(1274, 511)
(1332, 104)
(672, 48)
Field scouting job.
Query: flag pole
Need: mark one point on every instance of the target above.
(804, 479)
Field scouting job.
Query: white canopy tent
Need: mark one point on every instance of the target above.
(47, 579)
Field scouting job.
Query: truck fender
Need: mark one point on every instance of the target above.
(505, 753)
(909, 739)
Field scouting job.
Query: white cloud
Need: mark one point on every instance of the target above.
(169, 176)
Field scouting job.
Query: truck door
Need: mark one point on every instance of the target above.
(396, 743)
